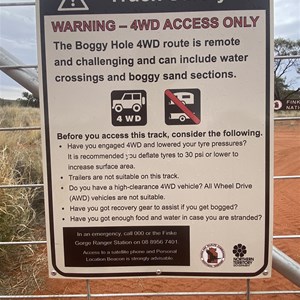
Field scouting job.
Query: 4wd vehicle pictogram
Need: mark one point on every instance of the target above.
(133, 101)
(128, 108)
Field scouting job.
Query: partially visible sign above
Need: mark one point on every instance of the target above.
(157, 137)
(287, 104)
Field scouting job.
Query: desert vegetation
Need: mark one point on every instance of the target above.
(21, 209)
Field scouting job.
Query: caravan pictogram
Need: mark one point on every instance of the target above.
(182, 106)
(70, 5)
(129, 108)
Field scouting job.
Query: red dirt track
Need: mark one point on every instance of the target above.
(286, 222)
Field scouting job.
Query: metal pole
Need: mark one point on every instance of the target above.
(88, 288)
(17, 4)
(248, 289)
(287, 57)
(286, 266)
(25, 77)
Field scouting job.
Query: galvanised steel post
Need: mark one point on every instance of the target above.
(286, 266)
(24, 76)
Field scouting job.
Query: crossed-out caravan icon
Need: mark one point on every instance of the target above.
(69, 5)
(182, 106)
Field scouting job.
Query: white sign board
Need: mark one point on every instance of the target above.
(157, 137)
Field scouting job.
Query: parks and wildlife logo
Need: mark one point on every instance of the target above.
(240, 259)
(212, 255)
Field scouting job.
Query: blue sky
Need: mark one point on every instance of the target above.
(18, 36)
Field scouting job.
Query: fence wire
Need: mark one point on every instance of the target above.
(89, 295)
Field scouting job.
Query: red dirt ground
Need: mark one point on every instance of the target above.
(286, 222)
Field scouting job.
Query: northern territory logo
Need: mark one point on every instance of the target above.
(182, 106)
(240, 259)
